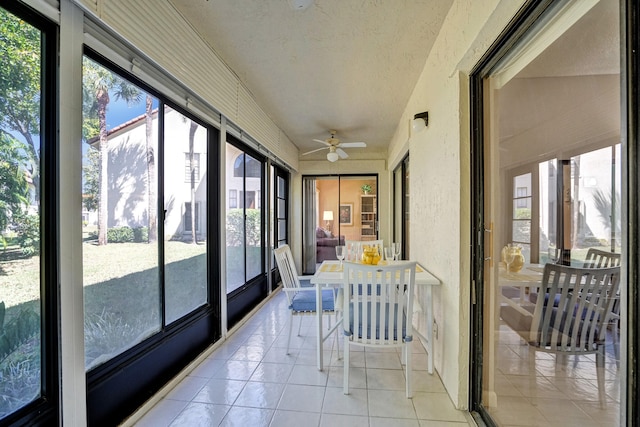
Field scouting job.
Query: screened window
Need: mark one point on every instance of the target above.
(247, 166)
(190, 168)
(233, 199)
(188, 224)
(244, 223)
(28, 333)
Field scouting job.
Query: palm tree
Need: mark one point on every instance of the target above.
(99, 81)
(14, 188)
(192, 132)
(151, 170)
(20, 88)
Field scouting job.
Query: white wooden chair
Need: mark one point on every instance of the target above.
(302, 299)
(378, 310)
(570, 315)
(597, 258)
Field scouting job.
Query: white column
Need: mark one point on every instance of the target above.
(73, 383)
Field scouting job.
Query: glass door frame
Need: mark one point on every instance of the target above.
(401, 213)
(244, 298)
(45, 409)
(337, 177)
(481, 232)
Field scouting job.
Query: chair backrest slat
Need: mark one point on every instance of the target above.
(597, 258)
(287, 268)
(576, 305)
(378, 302)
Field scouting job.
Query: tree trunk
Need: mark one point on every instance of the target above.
(35, 165)
(103, 100)
(192, 132)
(151, 173)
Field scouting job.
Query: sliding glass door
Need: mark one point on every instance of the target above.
(245, 219)
(549, 180)
(401, 229)
(150, 290)
(336, 209)
(279, 218)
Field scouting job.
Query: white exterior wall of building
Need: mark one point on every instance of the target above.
(128, 175)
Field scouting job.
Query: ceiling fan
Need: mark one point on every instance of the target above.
(335, 147)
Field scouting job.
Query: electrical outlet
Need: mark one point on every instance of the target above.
(435, 329)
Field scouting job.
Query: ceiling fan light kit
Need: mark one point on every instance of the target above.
(335, 147)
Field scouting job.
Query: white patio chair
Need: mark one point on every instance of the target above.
(570, 316)
(378, 310)
(302, 299)
(597, 258)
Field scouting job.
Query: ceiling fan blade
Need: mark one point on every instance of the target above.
(341, 153)
(322, 142)
(353, 144)
(313, 151)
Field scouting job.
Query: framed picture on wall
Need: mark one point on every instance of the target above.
(346, 214)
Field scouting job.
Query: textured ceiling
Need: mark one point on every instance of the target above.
(348, 65)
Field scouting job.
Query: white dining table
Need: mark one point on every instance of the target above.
(529, 276)
(330, 274)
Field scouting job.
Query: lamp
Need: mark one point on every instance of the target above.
(327, 216)
(418, 124)
(332, 156)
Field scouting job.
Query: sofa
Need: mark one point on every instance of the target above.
(326, 243)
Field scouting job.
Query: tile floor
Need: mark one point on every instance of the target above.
(250, 381)
(562, 394)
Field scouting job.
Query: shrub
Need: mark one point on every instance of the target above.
(141, 234)
(27, 228)
(125, 235)
(18, 331)
(120, 235)
(108, 334)
(235, 227)
(19, 381)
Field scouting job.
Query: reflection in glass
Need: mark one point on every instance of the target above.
(120, 253)
(552, 186)
(243, 223)
(185, 223)
(20, 183)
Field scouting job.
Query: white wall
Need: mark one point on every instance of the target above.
(440, 176)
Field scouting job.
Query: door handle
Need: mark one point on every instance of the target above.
(490, 232)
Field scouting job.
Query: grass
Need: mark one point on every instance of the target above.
(122, 291)
(121, 301)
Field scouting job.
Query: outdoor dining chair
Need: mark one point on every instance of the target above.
(571, 318)
(378, 311)
(302, 299)
(597, 258)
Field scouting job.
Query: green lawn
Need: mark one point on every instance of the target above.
(122, 292)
